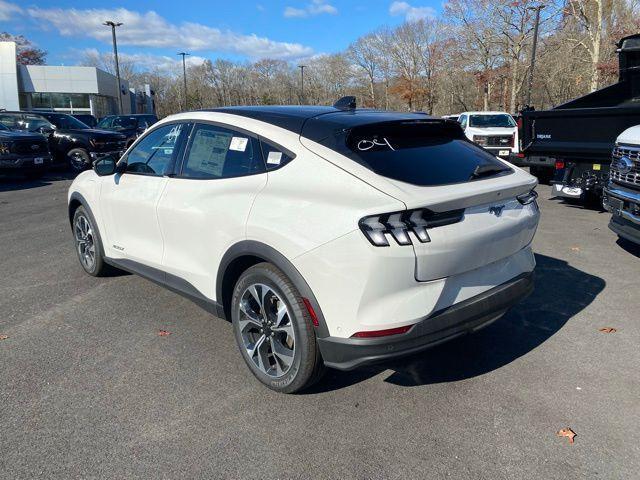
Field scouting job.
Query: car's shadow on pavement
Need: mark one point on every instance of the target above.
(11, 183)
(561, 291)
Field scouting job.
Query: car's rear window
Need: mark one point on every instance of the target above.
(425, 153)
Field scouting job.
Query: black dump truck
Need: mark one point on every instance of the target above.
(571, 145)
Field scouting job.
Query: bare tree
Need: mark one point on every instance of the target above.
(364, 52)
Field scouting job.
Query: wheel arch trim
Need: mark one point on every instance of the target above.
(252, 248)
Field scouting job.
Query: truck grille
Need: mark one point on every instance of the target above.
(620, 171)
(500, 141)
(29, 147)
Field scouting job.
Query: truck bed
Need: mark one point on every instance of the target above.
(577, 134)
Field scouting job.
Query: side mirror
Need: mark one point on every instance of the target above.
(44, 130)
(106, 166)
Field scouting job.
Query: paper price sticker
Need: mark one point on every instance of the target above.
(239, 144)
(274, 158)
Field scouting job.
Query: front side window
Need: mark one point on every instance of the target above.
(105, 122)
(33, 123)
(64, 122)
(124, 123)
(154, 154)
(217, 152)
(487, 121)
(463, 121)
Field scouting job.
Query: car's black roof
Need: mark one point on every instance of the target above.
(318, 121)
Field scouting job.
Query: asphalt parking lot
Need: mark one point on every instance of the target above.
(88, 389)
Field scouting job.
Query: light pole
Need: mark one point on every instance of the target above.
(113, 26)
(184, 76)
(533, 51)
(302, 67)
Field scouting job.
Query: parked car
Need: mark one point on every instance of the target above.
(329, 236)
(571, 144)
(23, 153)
(87, 119)
(496, 132)
(70, 141)
(622, 193)
(129, 125)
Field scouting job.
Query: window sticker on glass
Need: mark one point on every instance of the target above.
(274, 158)
(208, 151)
(238, 144)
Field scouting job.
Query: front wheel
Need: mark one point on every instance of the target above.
(273, 330)
(88, 244)
(79, 159)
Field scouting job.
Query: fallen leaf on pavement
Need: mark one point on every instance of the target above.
(567, 432)
(575, 249)
(163, 333)
(4, 337)
(608, 330)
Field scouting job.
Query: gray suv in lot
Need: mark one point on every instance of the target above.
(23, 152)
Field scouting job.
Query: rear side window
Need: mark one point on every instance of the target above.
(421, 153)
(274, 155)
(217, 152)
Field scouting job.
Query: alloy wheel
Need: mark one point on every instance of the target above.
(85, 242)
(267, 331)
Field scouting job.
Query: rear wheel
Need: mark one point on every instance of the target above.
(273, 330)
(79, 159)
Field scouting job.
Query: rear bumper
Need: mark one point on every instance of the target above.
(464, 317)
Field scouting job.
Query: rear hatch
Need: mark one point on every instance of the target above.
(431, 167)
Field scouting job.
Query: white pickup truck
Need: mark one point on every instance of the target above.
(622, 193)
(497, 132)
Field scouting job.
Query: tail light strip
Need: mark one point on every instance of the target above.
(399, 224)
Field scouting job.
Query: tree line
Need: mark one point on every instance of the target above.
(475, 56)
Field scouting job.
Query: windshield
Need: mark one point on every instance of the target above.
(497, 120)
(420, 153)
(63, 121)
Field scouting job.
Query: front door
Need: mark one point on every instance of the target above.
(129, 200)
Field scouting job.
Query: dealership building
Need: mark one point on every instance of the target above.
(64, 89)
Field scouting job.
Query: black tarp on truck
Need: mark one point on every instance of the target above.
(572, 143)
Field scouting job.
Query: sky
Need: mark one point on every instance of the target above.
(154, 31)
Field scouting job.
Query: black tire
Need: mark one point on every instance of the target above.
(97, 268)
(79, 159)
(307, 366)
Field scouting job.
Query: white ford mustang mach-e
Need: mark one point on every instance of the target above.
(329, 236)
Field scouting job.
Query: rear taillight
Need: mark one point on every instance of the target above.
(559, 164)
(382, 333)
(399, 225)
(521, 155)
